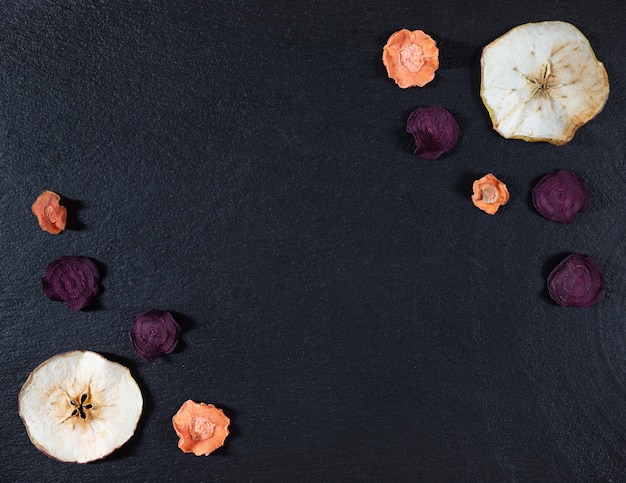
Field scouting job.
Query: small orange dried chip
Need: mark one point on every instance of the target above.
(489, 194)
(201, 428)
(411, 58)
(50, 214)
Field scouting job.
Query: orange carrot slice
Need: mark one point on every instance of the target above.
(411, 58)
(201, 428)
(489, 194)
(50, 214)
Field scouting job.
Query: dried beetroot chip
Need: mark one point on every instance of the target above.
(73, 280)
(559, 196)
(434, 129)
(576, 282)
(154, 333)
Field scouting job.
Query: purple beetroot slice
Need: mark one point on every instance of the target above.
(155, 332)
(576, 282)
(434, 129)
(73, 280)
(561, 195)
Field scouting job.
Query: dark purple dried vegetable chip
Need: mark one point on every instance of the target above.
(559, 196)
(73, 280)
(154, 333)
(576, 282)
(434, 129)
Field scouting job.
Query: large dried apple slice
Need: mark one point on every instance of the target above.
(541, 82)
(80, 407)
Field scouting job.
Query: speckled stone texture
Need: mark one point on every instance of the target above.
(245, 166)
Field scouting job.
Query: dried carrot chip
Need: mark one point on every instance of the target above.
(489, 194)
(411, 58)
(50, 214)
(201, 428)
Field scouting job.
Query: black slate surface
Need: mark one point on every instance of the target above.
(244, 165)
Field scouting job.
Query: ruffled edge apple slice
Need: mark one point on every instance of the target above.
(541, 82)
(79, 406)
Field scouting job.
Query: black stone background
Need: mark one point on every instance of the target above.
(244, 165)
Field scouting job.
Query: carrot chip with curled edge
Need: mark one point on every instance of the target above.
(411, 58)
(489, 194)
(201, 428)
(50, 214)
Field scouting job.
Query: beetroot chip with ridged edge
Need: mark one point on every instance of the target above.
(155, 332)
(576, 282)
(73, 280)
(434, 129)
(561, 195)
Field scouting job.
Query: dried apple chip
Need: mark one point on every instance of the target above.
(541, 82)
(80, 407)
